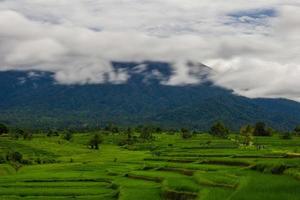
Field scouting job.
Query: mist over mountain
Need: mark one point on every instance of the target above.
(35, 99)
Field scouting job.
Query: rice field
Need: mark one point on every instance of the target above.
(168, 167)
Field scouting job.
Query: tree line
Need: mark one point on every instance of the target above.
(145, 132)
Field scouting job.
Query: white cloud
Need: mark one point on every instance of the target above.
(256, 56)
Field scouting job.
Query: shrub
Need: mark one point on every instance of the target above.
(286, 136)
(185, 133)
(68, 136)
(246, 135)
(95, 141)
(246, 130)
(27, 136)
(297, 130)
(26, 162)
(146, 133)
(38, 161)
(111, 128)
(128, 140)
(14, 156)
(3, 129)
(274, 168)
(51, 133)
(2, 159)
(18, 133)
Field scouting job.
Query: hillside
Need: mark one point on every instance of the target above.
(35, 99)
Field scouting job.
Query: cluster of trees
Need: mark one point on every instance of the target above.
(260, 129)
(17, 133)
(51, 133)
(219, 129)
(145, 133)
(14, 158)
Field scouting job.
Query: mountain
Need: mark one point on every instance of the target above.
(34, 99)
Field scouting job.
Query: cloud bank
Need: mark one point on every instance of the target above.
(253, 46)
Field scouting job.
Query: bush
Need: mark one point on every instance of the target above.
(125, 141)
(38, 161)
(18, 133)
(3, 129)
(14, 156)
(27, 136)
(111, 128)
(246, 135)
(51, 133)
(146, 133)
(185, 133)
(27, 162)
(68, 136)
(130, 139)
(286, 136)
(95, 141)
(297, 130)
(2, 159)
(274, 168)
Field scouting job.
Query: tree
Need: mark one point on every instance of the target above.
(111, 128)
(185, 133)
(129, 139)
(297, 130)
(129, 133)
(158, 129)
(18, 133)
(146, 133)
(68, 136)
(246, 134)
(95, 141)
(3, 129)
(261, 130)
(218, 129)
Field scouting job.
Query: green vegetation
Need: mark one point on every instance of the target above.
(261, 130)
(83, 106)
(219, 130)
(150, 164)
(3, 129)
(95, 141)
(185, 133)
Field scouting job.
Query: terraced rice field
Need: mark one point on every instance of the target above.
(168, 167)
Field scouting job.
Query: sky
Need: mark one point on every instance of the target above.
(252, 46)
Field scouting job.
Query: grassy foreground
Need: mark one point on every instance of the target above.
(168, 167)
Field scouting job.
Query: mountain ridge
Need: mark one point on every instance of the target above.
(34, 99)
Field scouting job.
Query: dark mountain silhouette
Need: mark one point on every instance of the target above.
(36, 100)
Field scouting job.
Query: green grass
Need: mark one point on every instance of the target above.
(169, 167)
(265, 186)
